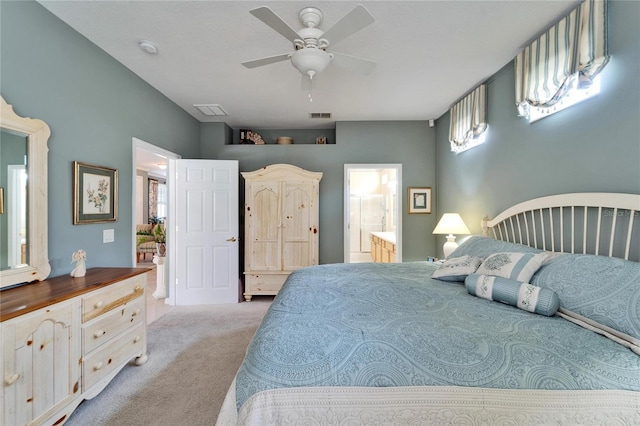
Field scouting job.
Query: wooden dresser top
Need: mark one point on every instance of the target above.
(30, 297)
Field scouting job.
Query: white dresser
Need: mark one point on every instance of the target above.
(64, 339)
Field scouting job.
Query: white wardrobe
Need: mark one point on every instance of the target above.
(281, 225)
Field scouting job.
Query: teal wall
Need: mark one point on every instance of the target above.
(410, 143)
(94, 106)
(591, 147)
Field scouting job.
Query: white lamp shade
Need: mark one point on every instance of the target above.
(451, 223)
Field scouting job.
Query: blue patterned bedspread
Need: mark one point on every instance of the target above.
(392, 325)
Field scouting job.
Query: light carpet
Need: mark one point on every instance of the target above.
(194, 353)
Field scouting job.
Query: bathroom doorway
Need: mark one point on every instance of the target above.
(372, 207)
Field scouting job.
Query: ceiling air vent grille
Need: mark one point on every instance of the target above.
(211, 110)
(319, 115)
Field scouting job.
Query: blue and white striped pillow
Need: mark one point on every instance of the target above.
(515, 266)
(522, 295)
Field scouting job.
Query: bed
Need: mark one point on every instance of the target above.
(537, 322)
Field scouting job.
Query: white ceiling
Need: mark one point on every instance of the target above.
(429, 54)
(154, 164)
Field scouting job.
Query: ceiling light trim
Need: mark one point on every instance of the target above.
(148, 47)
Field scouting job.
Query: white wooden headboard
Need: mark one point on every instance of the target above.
(598, 223)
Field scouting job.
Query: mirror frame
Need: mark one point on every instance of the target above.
(37, 132)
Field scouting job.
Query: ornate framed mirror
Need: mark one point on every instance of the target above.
(23, 198)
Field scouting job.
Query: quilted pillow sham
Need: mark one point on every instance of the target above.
(457, 268)
(521, 295)
(602, 291)
(515, 266)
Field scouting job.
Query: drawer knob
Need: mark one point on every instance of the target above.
(98, 366)
(99, 304)
(137, 339)
(11, 379)
(99, 333)
(137, 289)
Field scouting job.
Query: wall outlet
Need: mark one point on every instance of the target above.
(108, 236)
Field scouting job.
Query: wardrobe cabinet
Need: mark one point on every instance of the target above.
(281, 225)
(64, 339)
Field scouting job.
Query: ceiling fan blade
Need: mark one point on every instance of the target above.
(350, 24)
(266, 61)
(353, 63)
(270, 18)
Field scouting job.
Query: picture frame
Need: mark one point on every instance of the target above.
(419, 200)
(95, 194)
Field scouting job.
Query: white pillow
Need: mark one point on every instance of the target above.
(457, 268)
(515, 266)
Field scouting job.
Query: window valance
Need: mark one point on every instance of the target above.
(468, 120)
(570, 54)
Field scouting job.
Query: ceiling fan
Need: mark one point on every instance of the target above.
(310, 44)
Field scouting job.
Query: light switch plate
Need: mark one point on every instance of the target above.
(108, 236)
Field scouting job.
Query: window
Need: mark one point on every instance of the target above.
(162, 200)
(468, 120)
(559, 68)
(574, 95)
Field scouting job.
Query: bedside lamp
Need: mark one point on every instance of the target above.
(451, 223)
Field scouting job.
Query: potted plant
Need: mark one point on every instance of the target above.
(161, 239)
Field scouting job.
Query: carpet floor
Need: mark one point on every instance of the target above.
(194, 353)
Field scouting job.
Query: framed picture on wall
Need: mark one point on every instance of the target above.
(95, 194)
(419, 200)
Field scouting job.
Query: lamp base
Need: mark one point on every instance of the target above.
(450, 245)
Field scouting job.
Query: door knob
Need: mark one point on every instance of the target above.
(232, 239)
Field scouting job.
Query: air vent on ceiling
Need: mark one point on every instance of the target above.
(319, 115)
(211, 109)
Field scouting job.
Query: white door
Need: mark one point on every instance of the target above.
(207, 269)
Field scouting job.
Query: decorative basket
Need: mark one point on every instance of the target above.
(284, 140)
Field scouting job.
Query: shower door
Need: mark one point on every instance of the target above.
(367, 216)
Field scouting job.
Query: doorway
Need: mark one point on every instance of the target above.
(157, 163)
(372, 206)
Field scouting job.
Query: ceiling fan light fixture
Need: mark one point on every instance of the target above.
(310, 61)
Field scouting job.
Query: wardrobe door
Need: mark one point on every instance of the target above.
(299, 224)
(263, 212)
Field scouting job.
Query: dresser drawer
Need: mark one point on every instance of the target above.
(107, 326)
(113, 355)
(265, 284)
(104, 300)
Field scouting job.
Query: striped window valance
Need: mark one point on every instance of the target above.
(569, 54)
(468, 119)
